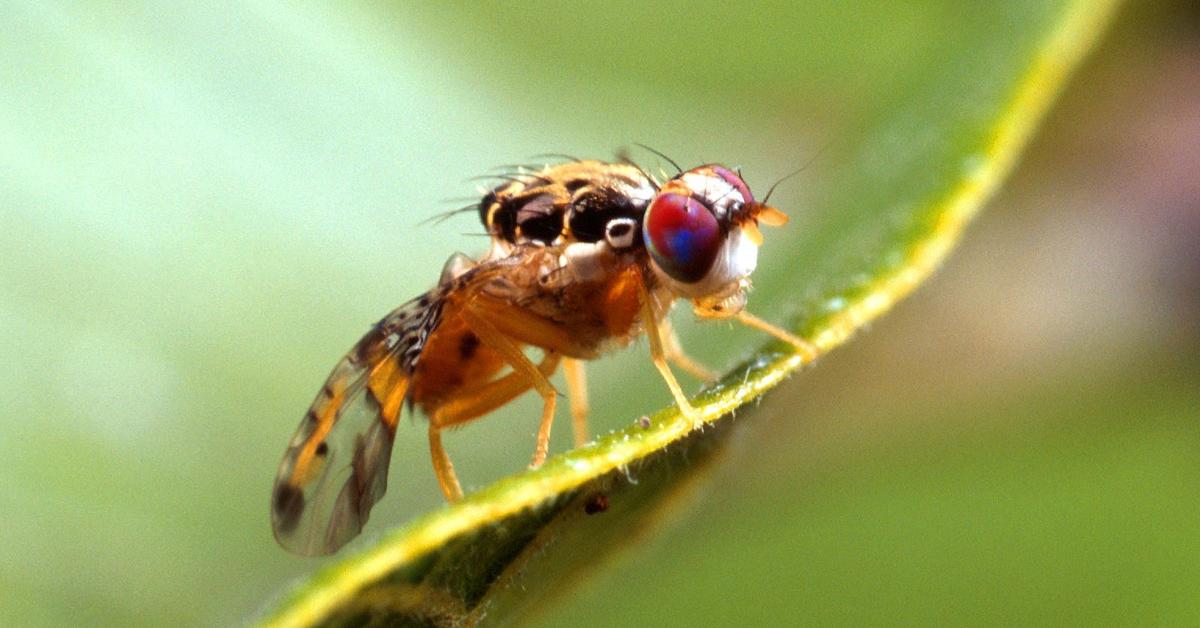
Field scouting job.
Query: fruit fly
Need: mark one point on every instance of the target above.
(585, 257)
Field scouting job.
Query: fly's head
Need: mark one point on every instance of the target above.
(701, 230)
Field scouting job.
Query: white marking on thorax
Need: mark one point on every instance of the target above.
(586, 261)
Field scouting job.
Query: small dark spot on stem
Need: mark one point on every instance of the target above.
(596, 504)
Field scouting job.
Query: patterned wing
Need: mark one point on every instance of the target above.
(335, 468)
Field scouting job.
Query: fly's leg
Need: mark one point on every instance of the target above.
(520, 364)
(577, 395)
(807, 351)
(472, 404)
(478, 401)
(658, 356)
(675, 354)
(442, 467)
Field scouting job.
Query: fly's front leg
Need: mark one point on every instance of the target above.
(512, 354)
(808, 352)
(658, 356)
(675, 354)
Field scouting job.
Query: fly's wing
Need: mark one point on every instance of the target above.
(336, 465)
(335, 468)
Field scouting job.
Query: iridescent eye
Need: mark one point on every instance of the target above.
(683, 236)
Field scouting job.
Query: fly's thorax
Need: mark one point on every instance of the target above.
(565, 203)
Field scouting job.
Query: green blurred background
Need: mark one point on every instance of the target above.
(202, 208)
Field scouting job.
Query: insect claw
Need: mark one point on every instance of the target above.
(693, 415)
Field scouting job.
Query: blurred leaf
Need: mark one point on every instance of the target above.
(927, 164)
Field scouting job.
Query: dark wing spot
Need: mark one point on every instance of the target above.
(322, 449)
(287, 505)
(467, 346)
(362, 350)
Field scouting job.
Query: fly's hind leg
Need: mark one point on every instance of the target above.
(442, 467)
(808, 352)
(472, 404)
(520, 364)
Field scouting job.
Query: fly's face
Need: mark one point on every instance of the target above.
(701, 230)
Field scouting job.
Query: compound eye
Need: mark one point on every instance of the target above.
(682, 235)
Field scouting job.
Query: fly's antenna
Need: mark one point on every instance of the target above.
(678, 170)
(781, 180)
(797, 171)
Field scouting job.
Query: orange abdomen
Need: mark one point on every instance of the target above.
(453, 359)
